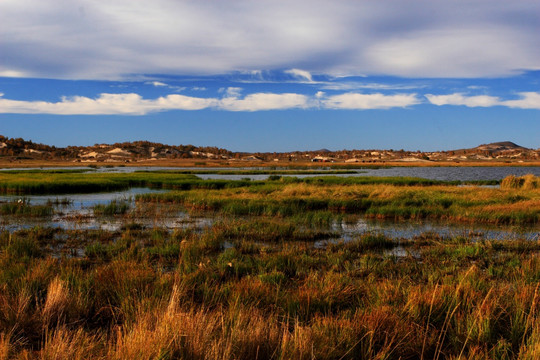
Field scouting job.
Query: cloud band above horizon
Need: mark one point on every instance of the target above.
(135, 104)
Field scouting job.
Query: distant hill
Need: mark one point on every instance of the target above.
(17, 150)
(503, 150)
(495, 146)
(498, 146)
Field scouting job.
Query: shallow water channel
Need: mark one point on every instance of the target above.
(75, 212)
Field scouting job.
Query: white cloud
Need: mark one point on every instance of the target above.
(460, 99)
(135, 104)
(164, 85)
(355, 101)
(116, 39)
(529, 100)
(265, 101)
(354, 85)
(106, 104)
(232, 91)
(157, 83)
(300, 74)
(478, 50)
(477, 87)
(12, 73)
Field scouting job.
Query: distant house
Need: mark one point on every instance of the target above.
(322, 159)
(252, 158)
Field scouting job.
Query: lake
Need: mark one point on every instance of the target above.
(433, 173)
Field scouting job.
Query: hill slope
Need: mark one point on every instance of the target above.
(137, 151)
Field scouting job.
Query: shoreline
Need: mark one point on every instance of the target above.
(183, 163)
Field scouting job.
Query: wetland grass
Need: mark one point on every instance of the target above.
(255, 172)
(385, 201)
(74, 181)
(184, 295)
(257, 287)
(526, 182)
(22, 207)
(114, 207)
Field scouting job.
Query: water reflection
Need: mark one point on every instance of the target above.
(74, 212)
(410, 229)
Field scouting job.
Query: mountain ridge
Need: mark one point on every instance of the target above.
(137, 151)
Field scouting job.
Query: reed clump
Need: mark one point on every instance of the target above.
(526, 182)
(22, 207)
(115, 207)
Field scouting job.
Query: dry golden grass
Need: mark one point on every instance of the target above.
(299, 190)
(525, 182)
(16, 316)
(529, 205)
(5, 346)
(56, 303)
(63, 343)
(197, 334)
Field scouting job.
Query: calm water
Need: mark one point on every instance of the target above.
(410, 229)
(78, 214)
(81, 201)
(433, 173)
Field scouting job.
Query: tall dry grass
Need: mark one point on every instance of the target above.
(56, 304)
(64, 343)
(526, 182)
(5, 346)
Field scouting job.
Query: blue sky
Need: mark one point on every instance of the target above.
(271, 75)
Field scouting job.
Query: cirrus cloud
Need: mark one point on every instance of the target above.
(300, 74)
(356, 101)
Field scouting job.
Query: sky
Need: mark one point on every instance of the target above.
(272, 75)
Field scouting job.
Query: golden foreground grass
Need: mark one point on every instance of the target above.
(150, 294)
